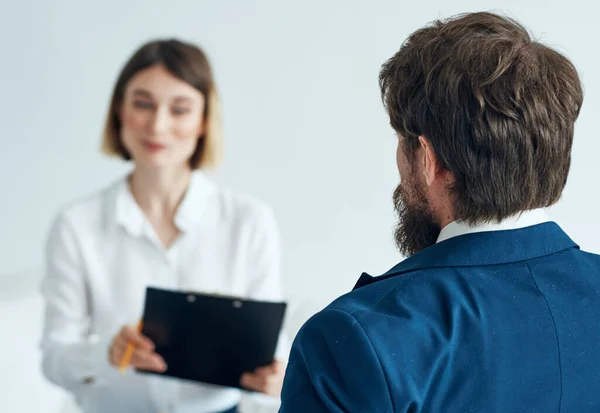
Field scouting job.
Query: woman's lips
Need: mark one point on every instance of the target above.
(154, 147)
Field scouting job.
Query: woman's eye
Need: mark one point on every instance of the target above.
(140, 104)
(180, 111)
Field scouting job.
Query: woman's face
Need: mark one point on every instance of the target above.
(161, 118)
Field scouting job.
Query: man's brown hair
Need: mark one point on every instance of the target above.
(498, 108)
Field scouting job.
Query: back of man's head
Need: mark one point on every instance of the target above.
(498, 108)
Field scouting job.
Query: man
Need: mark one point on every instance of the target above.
(496, 309)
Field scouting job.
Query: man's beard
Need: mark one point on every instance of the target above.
(416, 228)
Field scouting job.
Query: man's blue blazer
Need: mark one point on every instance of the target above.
(501, 321)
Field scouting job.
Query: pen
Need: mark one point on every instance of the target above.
(128, 353)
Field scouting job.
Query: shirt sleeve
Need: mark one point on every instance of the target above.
(333, 367)
(71, 356)
(266, 284)
(265, 255)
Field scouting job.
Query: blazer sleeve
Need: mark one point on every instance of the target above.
(333, 367)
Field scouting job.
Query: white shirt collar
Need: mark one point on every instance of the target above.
(521, 220)
(188, 215)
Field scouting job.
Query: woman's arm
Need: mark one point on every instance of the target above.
(266, 284)
(265, 265)
(266, 279)
(71, 356)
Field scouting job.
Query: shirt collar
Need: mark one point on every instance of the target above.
(521, 220)
(190, 213)
(483, 248)
(195, 205)
(128, 214)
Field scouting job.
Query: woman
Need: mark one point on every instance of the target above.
(166, 225)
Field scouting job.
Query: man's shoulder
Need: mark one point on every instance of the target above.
(426, 296)
(405, 289)
(405, 300)
(418, 300)
(568, 257)
(382, 324)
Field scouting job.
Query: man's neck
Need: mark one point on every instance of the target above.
(443, 213)
(520, 220)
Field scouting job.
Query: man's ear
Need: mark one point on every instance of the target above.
(429, 161)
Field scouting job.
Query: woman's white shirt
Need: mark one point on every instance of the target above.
(101, 255)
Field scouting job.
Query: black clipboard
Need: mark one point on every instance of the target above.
(211, 339)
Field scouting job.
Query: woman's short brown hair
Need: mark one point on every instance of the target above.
(188, 63)
(498, 108)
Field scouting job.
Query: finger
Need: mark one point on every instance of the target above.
(264, 371)
(148, 360)
(274, 368)
(279, 366)
(117, 350)
(273, 385)
(131, 334)
(120, 343)
(115, 354)
(252, 381)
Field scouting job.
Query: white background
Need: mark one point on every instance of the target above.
(304, 124)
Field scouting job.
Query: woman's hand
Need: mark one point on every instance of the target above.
(143, 357)
(267, 380)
